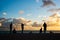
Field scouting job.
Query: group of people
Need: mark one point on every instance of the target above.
(22, 27)
(45, 28)
(14, 31)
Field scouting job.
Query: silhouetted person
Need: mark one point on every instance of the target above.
(14, 31)
(22, 27)
(45, 26)
(11, 27)
(41, 30)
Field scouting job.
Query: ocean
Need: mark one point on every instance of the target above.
(28, 29)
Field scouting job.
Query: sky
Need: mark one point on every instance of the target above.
(28, 9)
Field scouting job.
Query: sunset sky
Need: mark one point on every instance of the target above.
(32, 11)
(28, 9)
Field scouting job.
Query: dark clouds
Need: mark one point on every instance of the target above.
(48, 3)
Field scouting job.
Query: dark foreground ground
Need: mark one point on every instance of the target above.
(30, 36)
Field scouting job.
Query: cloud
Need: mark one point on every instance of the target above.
(21, 12)
(26, 22)
(22, 20)
(54, 10)
(29, 22)
(35, 24)
(53, 20)
(4, 13)
(19, 20)
(55, 15)
(42, 16)
(48, 3)
(37, 1)
(17, 24)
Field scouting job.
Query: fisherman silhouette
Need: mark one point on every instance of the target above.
(41, 30)
(11, 27)
(14, 31)
(44, 25)
(22, 27)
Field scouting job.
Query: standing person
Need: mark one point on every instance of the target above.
(44, 25)
(11, 27)
(22, 27)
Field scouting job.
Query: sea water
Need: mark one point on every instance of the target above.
(54, 29)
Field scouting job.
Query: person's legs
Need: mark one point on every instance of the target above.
(10, 31)
(45, 30)
(22, 29)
